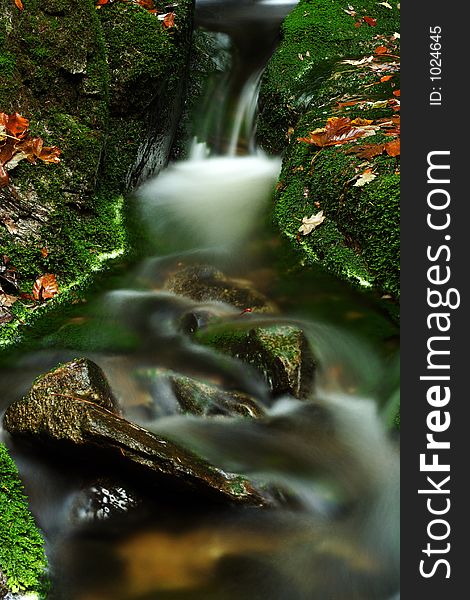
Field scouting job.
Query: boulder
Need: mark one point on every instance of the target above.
(204, 283)
(326, 67)
(280, 353)
(57, 413)
(105, 87)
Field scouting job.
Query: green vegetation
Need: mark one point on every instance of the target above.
(22, 557)
(105, 101)
(305, 83)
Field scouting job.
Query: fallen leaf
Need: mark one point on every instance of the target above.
(381, 50)
(148, 4)
(45, 287)
(311, 223)
(367, 150)
(385, 78)
(6, 300)
(9, 224)
(357, 24)
(386, 4)
(8, 276)
(102, 2)
(5, 316)
(370, 21)
(19, 4)
(358, 62)
(365, 178)
(350, 11)
(44, 252)
(393, 148)
(338, 130)
(168, 19)
(396, 36)
(396, 93)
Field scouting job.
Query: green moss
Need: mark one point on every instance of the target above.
(90, 82)
(314, 35)
(22, 556)
(307, 82)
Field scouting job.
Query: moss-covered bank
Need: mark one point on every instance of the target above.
(103, 85)
(22, 558)
(307, 82)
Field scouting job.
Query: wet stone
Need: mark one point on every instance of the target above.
(65, 416)
(203, 283)
(281, 353)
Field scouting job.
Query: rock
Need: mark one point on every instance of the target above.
(66, 416)
(203, 283)
(105, 86)
(23, 561)
(359, 239)
(280, 353)
(198, 398)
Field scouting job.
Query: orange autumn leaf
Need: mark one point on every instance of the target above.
(381, 50)
(45, 287)
(370, 21)
(15, 124)
(169, 20)
(44, 252)
(385, 78)
(393, 148)
(19, 4)
(148, 4)
(367, 150)
(396, 93)
(338, 130)
(101, 2)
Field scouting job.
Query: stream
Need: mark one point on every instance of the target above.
(333, 531)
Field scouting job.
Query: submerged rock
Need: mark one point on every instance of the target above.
(281, 353)
(197, 398)
(67, 416)
(203, 283)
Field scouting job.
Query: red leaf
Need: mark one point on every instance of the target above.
(385, 78)
(17, 125)
(370, 21)
(169, 20)
(45, 287)
(19, 4)
(357, 24)
(381, 50)
(393, 148)
(102, 2)
(396, 93)
(148, 4)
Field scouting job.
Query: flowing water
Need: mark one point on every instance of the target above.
(335, 535)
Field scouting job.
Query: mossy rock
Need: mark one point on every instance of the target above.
(105, 87)
(359, 239)
(280, 353)
(23, 561)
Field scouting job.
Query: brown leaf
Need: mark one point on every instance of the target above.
(370, 21)
(6, 300)
(17, 125)
(148, 4)
(396, 93)
(367, 150)
(169, 20)
(45, 287)
(381, 50)
(393, 148)
(44, 252)
(338, 130)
